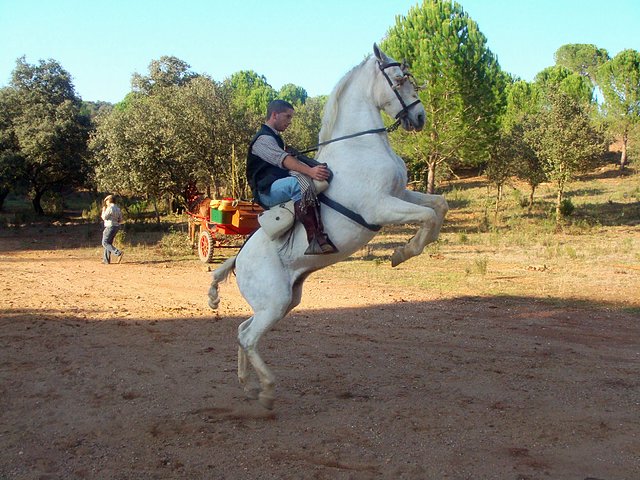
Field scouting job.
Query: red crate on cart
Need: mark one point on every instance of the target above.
(246, 216)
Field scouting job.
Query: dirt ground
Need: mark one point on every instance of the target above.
(122, 372)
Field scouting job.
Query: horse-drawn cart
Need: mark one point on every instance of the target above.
(222, 224)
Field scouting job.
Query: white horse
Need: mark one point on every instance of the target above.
(368, 178)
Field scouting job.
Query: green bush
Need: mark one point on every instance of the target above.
(52, 203)
(481, 265)
(93, 213)
(121, 238)
(567, 207)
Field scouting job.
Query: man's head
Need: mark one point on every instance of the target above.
(279, 115)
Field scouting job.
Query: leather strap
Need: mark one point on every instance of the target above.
(338, 207)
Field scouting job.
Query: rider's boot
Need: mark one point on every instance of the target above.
(319, 242)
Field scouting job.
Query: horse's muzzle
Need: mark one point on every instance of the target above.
(413, 123)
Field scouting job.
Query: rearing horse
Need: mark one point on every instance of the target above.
(368, 178)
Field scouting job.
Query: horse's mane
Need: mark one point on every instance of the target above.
(331, 108)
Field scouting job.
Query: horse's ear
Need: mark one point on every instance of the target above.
(376, 51)
(380, 55)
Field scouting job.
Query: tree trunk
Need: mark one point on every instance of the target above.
(623, 156)
(3, 196)
(495, 213)
(431, 178)
(36, 203)
(533, 190)
(155, 209)
(558, 204)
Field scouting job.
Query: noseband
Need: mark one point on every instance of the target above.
(405, 108)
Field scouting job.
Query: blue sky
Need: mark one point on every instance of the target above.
(310, 43)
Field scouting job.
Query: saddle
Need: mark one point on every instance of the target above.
(278, 220)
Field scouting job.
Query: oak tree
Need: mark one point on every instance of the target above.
(564, 139)
(47, 126)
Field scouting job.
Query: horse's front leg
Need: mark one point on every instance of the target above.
(425, 234)
(414, 207)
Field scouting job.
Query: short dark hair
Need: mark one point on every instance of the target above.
(278, 106)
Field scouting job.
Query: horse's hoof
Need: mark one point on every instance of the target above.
(252, 393)
(396, 258)
(266, 401)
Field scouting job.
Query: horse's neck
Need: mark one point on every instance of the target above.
(370, 157)
(351, 109)
(356, 113)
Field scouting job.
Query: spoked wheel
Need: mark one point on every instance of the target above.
(205, 247)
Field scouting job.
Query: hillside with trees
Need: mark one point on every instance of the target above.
(178, 127)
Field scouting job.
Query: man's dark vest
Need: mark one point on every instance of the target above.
(261, 174)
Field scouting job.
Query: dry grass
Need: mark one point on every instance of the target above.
(594, 256)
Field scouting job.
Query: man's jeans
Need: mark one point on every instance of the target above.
(108, 234)
(282, 191)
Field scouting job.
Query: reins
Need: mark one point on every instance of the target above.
(388, 129)
(399, 117)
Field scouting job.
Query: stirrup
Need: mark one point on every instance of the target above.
(315, 248)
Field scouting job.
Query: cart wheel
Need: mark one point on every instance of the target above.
(205, 247)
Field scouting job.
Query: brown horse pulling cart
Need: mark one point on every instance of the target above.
(221, 224)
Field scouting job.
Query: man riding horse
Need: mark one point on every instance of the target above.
(369, 190)
(277, 176)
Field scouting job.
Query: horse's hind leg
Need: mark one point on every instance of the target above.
(266, 394)
(269, 307)
(244, 372)
(248, 338)
(267, 285)
(252, 390)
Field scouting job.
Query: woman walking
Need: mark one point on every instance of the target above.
(112, 216)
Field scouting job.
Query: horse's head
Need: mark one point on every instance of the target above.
(191, 191)
(396, 92)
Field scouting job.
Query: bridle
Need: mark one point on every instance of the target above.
(401, 115)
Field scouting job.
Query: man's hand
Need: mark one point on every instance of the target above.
(320, 172)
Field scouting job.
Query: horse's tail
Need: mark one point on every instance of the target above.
(219, 274)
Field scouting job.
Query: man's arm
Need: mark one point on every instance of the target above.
(319, 172)
(267, 149)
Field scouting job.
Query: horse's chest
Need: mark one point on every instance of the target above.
(375, 177)
(394, 175)
(400, 178)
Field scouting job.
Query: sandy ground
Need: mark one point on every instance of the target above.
(122, 372)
